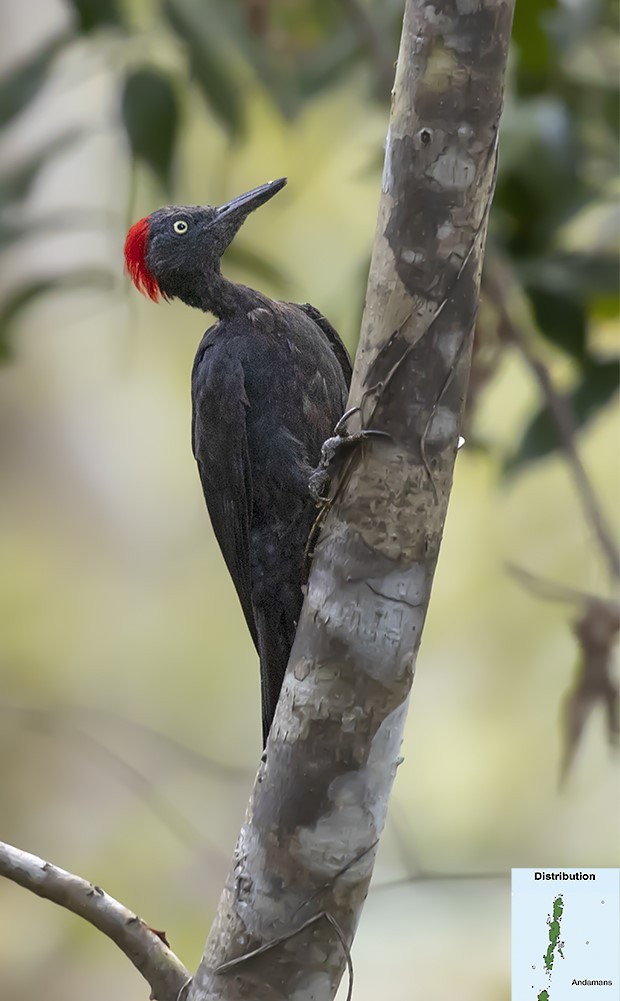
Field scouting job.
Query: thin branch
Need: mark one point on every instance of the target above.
(596, 630)
(593, 685)
(193, 758)
(549, 590)
(159, 966)
(565, 425)
(146, 790)
(78, 715)
(436, 877)
(563, 418)
(61, 723)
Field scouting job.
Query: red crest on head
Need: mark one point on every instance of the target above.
(135, 260)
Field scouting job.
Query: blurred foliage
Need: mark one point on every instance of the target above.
(559, 135)
(211, 61)
(559, 142)
(151, 119)
(596, 629)
(93, 14)
(596, 384)
(114, 595)
(19, 87)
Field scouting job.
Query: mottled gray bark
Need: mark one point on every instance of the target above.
(307, 847)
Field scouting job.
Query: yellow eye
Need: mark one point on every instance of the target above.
(180, 226)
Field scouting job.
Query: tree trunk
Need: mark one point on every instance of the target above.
(306, 851)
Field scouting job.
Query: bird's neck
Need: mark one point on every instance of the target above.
(225, 299)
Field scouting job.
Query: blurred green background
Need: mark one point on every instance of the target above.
(129, 704)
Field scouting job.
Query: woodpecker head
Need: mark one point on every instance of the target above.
(174, 251)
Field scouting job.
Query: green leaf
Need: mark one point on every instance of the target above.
(598, 383)
(600, 380)
(19, 87)
(561, 319)
(22, 297)
(537, 54)
(539, 439)
(150, 113)
(93, 14)
(563, 288)
(209, 61)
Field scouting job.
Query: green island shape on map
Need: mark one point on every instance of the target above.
(554, 940)
(555, 945)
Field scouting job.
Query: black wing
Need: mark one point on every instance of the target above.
(219, 443)
(333, 337)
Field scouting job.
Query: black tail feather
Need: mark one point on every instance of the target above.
(274, 647)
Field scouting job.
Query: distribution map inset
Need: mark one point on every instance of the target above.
(565, 934)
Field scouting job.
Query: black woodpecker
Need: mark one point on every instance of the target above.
(269, 383)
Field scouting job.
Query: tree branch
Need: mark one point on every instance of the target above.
(549, 590)
(561, 414)
(319, 804)
(560, 411)
(159, 966)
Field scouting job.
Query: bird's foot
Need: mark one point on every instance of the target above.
(332, 448)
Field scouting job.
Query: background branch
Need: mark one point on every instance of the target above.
(143, 946)
(564, 422)
(560, 411)
(75, 725)
(549, 590)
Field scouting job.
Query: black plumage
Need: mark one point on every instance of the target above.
(269, 383)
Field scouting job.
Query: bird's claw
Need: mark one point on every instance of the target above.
(340, 428)
(320, 478)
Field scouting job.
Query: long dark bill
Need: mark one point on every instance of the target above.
(239, 208)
